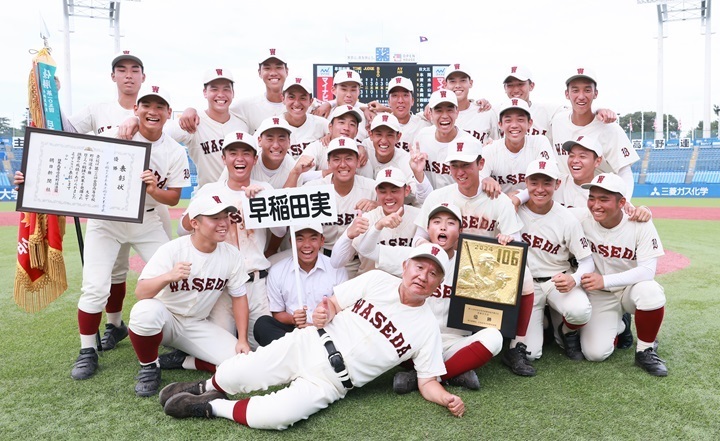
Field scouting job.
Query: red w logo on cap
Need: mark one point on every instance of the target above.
(457, 67)
(460, 146)
(388, 173)
(272, 51)
(217, 199)
(443, 94)
(580, 137)
(581, 70)
(298, 80)
(513, 69)
(218, 71)
(434, 251)
(542, 165)
(126, 52)
(239, 135)
(444, 204)
(341, 142)
(349, 74)
(398, 80)
(384, 118)
(155, 89)
(276, 120)
(600, 179)
(514, 102)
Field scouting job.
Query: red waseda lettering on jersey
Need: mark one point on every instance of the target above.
(298, 149)
(540, 243)
(478, 223)
(437, 168)
(380, 322)
(477, 135)
(198, 284)
(442, 292)
(211, 146)
(402, 145)
(613, 252)
(511, 179)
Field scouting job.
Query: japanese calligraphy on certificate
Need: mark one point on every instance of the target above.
(81, 175)
(290, 206)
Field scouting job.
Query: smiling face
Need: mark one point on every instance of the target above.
(420, 277)
(515, 88)
(391, 197)
(309, 242)
(460, 84)
(129, 76)
(274, 144)
(273, 73)
(467, 175)
(444, 230)
(581, 92)
(346, 93)
(582, 163)
(605, 206)
(344, 125)
(444, 116)
(384, 139)
(400, 102)
(541, 189)
(515, 124)
(239, 160)
(219, 94)
(297, 101)
(211, 229)
(152, 112)
(343, 164)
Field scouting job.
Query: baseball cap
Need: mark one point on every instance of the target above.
(318, 228)
(347, 76)
(391, 175)
(299, 82)
(467, 149)
(582, 72)
(343, 109)
(342, 143)
(518, 72)
(453, 68)
(272, 53)
(274, 122)
(157, 91)
(208, 205)
(126, 55)
(515, 103)
(442, 96)
(216, 74)
(444, 206)
(387, 120)
(401, 82)
(240, 138)
(608, 181)
(543, 167)
(432, 252)
(588, 142)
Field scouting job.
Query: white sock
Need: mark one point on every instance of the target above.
(114, 318)
(156, 363)
(642, 345)
(209, 385)
(189, 363)
(223, 408)
(88, 341)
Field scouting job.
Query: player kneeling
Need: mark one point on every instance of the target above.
(179, 287)
(368, 327)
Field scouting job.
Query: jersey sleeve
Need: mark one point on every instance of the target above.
(161, 262)
(577, 243)
(173, 130)
(508, 221)
(238, 276)
(428, 360)
(179, 172)
(83, 120)
(354, 289)
(618, 151)
(648, 242)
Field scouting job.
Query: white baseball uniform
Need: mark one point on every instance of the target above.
(253, 110)
(318, 152)
(436, 170)
(480, 125)
(542, 115)
(181, 308)
(571, 195)
(314, 128)
(508, 168)
(374, 332)
(409, 131)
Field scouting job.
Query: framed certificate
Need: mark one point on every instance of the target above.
(82, 175)
(488, 284)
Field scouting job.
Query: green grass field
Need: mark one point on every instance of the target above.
(566, 400)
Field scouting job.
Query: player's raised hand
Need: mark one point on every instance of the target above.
(358, 226)
(592, 281)
(366, 205)
(392, 220)
(491, 187)
(637, 214)
(483, 105)
(304, 163)
(180, 271)
(320, 314)
(418, 160)
(251, 190)
(455, 405)
(504, 239)
(300, 317)
(128, 128)
(363, 156)
(322, 110)
(606, 115)
(189, 120)
(325, 140)
(148, 177)
(563, 282)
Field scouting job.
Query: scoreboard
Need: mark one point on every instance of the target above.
(426, 79)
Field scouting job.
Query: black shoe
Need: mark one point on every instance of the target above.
(405, 382)
(148, 380)
(85, 365)
(625, 338)
(173, 360)
(193, 387)
(651, 363)
(468, 380)
(571, 344)
(113, 334)
(516, 360)
(185, 405)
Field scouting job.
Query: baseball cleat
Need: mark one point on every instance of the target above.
(571, 344)
(85, 365)
(186, 405)
(516, 359)
(405, 382)
(172, 360)
(113, 334)
(625, 338)
(468, 380)
(651, 362)
(148, 380)
(193, 387)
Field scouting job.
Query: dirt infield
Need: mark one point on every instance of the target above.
(670, 262)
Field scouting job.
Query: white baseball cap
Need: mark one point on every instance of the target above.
(347, 76)
(342, 143)
(608, 181)
(453, 68)
(274, 122)
(270, 53)
(299, 82)
(318, 228)
(543, 167)
(240, 138)
(518, 72)
(157, 91)
(588, 142)
(385, 119)
(208, 205)
(432, 252)
(343, 109)
(391, 175)
(401, 82)
(447, 207)
(442, 96)
(467, 149)
(582, 72)
(515, 103)
(216, 74)
(126, 55)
